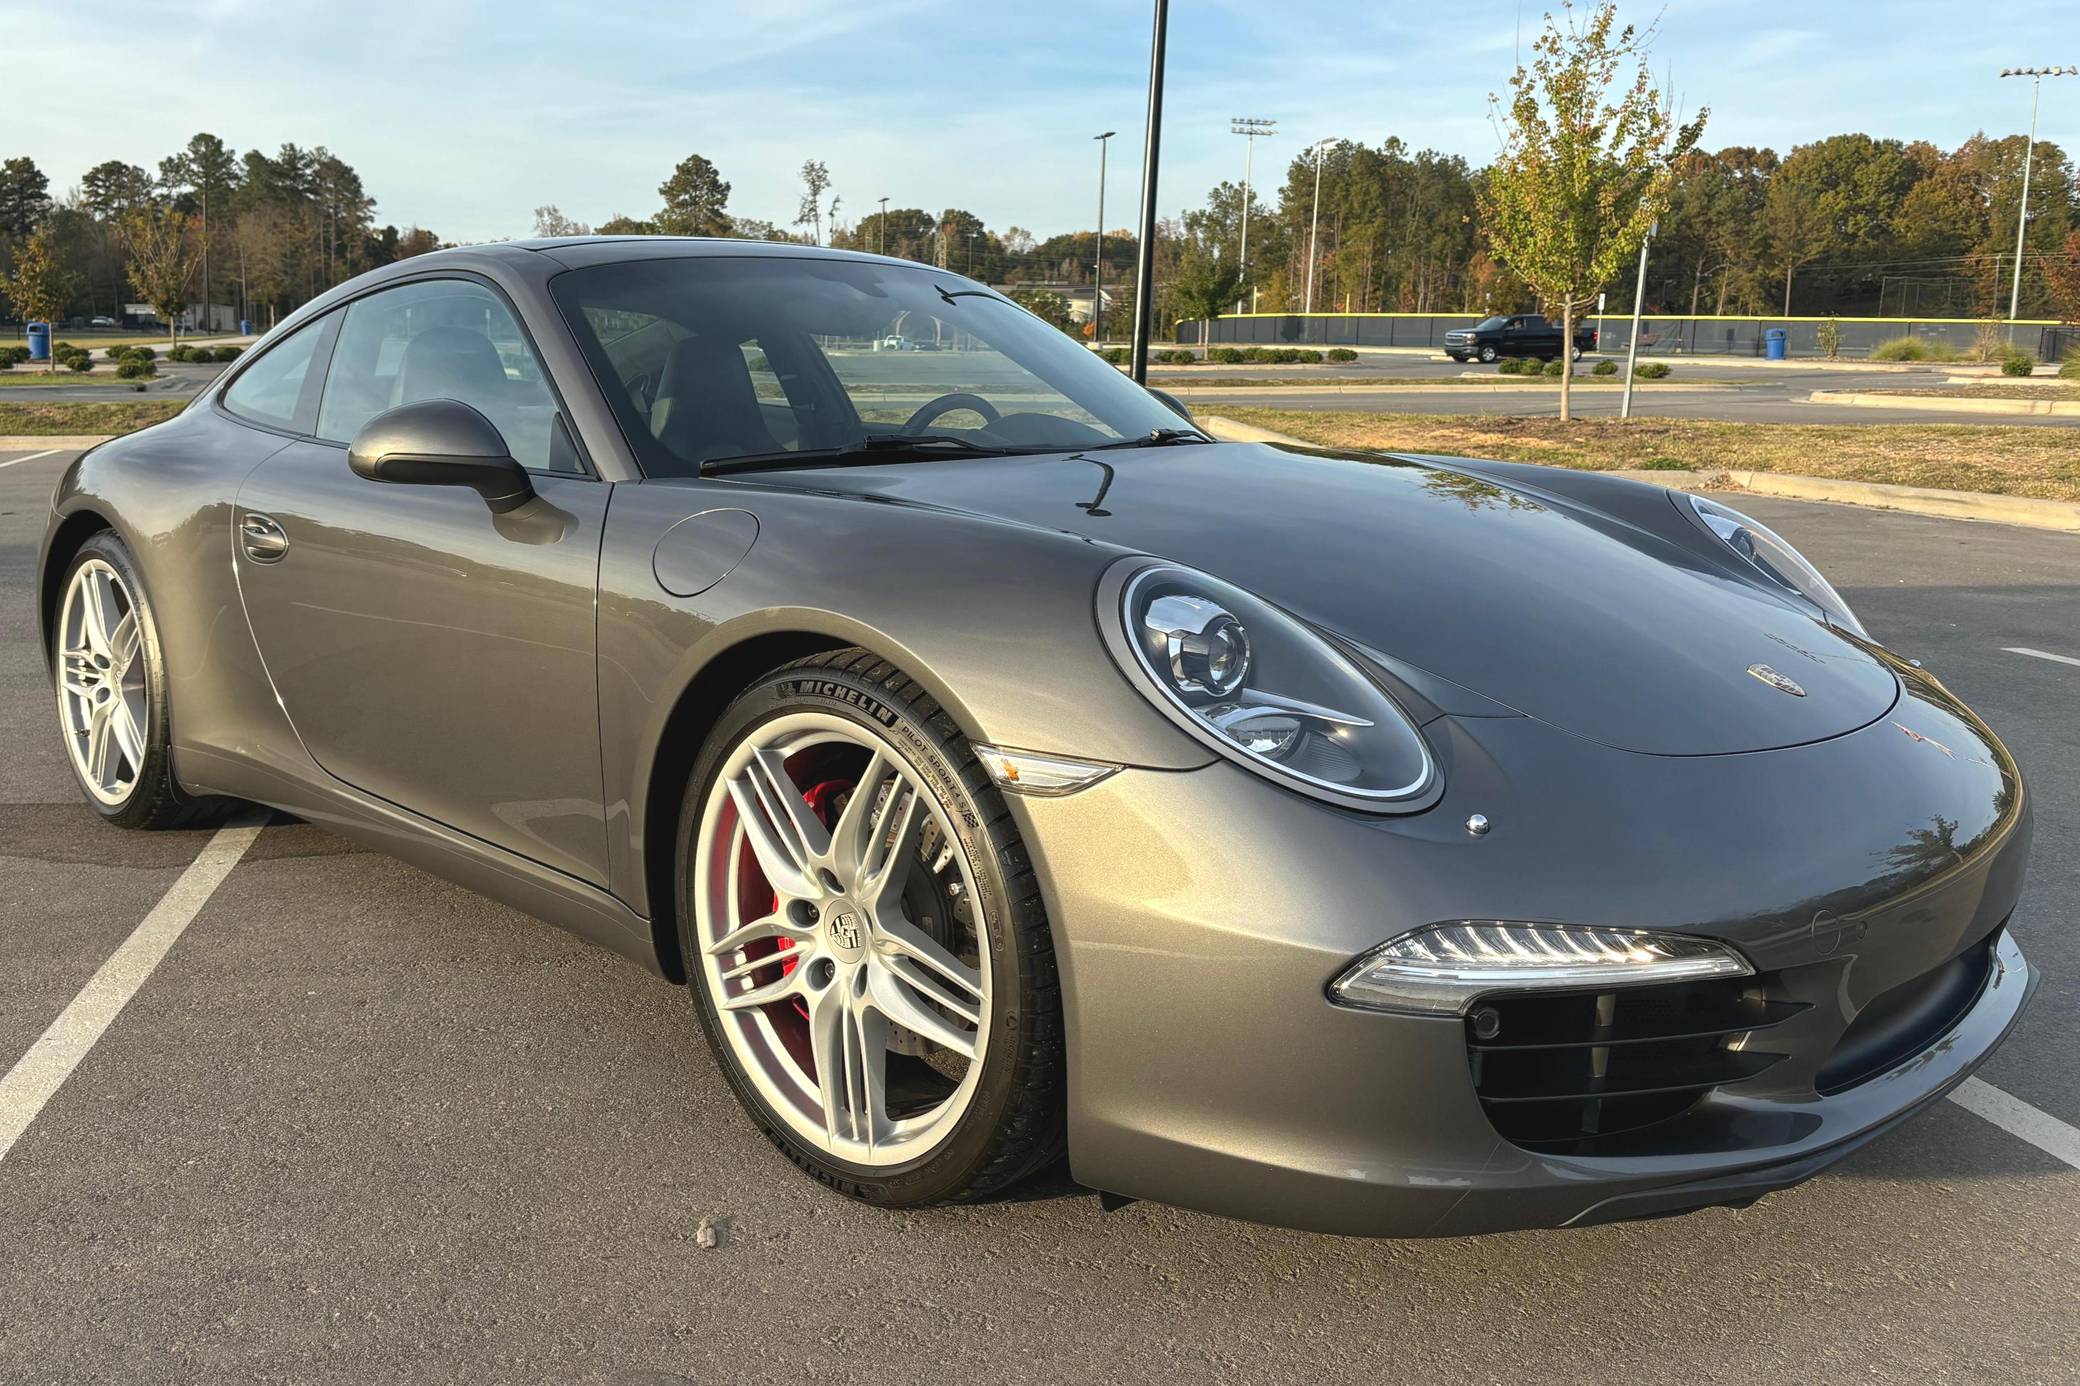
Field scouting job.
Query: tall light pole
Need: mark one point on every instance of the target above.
(2036, 76)
(1145, 257)
(1098, 268)
(1254, 128)
(883, 248)
(1639, 298)
(1314, 219)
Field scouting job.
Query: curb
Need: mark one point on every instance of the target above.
(54, 442)
(1445, 385)
(2028, 511)
(1938, 404)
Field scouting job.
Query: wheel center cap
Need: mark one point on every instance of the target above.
(845, 930)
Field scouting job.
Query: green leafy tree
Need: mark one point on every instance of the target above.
(621, 224)
(2062, 279)
(1047, 305)
(694, 198)
(165, 248)
(1205, 285)
(25, 198)
(41, 282)
(550, 221)
(1585, 166)
(208, 172)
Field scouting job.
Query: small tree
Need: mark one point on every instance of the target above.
(816, 180)
(694, 198)
(1585, 165)
(164, 248)
(41, 283)
(1205, 286)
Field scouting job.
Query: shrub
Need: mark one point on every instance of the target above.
(1604, 368)
(1830, 339)
(14, 355)
(2018, 363)
(136, 368)
(1226, 356)
(1912, 348)
(1556, 368)
(140, 351)
(226, 353)
(1118, 356)
(1307, 356)
(2069, 369)
(1652, 370)
(1342, 354)
(6, 361)
(1518, 365)
(179, 353)
(78, 361)
(1664, 464)
(1259, 355)
(1176, 357)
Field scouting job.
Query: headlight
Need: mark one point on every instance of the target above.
(1444, 967)
(1776, 560)
(1260, 687)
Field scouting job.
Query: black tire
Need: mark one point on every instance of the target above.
(1489, 355)
(1015, 1123)
(1577, 354)
(156, 800)
(1456, 357)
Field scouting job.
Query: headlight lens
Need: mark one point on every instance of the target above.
(1776, 560)
(1445, 967)
(1260, 687)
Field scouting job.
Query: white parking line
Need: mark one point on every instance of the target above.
(18, 461)
(2039, 654)
(50, 1061)
(2042, 1130)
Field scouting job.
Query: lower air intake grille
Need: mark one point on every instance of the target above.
(1554, 1071)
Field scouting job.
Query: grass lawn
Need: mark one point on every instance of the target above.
(43, 418)
(1991, 389)
(158, 341)
(102, 377)
(2009, 460)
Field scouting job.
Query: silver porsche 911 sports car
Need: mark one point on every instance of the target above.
(1375, 844)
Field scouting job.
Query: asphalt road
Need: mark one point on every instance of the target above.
(176, 380)
(360, 1125)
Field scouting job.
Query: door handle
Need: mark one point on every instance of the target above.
(261, 538)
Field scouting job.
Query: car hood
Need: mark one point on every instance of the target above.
(1560, 613)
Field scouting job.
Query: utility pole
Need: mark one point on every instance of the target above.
(1098, 265)
(2036, 76)
(1639, 297)
(1314, 220)
(1145, 259)
(882, 249)
(1253, 127)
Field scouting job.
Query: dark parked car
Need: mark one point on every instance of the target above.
(1375, 844)
(1519, 334)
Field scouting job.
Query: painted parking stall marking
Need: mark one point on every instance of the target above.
(2042, 1130)
(2040, 654)
(33, 1081)
(32, 457)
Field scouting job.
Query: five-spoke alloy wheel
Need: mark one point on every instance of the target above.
(857, 957)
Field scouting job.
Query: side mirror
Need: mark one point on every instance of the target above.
(441, 442)
(1172, 403)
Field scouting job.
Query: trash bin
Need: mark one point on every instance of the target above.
(1775, 350)
(245, 327)
(39, 341)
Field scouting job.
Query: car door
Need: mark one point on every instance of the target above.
(428, 650)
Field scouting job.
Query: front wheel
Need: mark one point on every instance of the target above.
(1488, 355)
(1577, 354)
(868, 953)
(109, 670)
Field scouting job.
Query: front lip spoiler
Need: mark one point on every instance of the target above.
(1741, 1187)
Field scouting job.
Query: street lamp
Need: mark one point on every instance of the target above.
(883, 248)
(1098, 268)
(2036, 76)
(1253, 127)
(1314, 219)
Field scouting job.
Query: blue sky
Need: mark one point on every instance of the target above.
(464, 115)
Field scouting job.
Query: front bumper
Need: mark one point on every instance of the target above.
(1200, 914)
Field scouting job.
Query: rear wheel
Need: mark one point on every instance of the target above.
(110, 675)
(869, 957)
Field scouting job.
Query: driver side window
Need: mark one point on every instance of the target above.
(444, 339)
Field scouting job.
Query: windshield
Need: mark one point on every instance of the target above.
(707, 358)
(1490, 324)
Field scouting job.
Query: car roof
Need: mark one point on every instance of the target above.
(577, 251)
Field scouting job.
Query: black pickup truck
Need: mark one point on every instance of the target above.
(1519, 334)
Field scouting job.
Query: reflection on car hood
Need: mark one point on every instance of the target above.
(1586, 623)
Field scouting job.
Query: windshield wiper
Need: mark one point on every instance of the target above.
(1155, 438)
(873, 448)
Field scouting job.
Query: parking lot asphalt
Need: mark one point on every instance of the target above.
(363, 1126)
